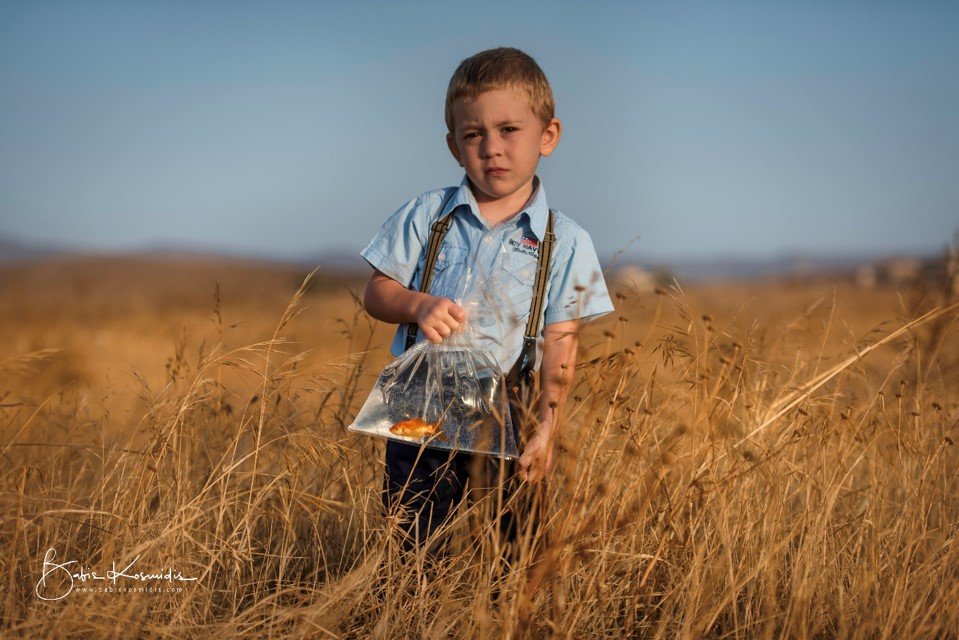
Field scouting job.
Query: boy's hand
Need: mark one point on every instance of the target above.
(537, 459)
(560, 341)
(439, 318)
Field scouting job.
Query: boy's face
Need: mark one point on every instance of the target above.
(498, 140)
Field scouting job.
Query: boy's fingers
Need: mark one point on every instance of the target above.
(524, 466)
(533, 468)
(437, 332)
(458, 312)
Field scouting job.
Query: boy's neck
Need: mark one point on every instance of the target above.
(497, 210)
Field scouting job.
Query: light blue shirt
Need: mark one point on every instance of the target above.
(492, 271)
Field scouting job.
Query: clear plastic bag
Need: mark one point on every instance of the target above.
(450, 395)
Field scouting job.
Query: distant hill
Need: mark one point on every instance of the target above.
(12, 250)
(337, 260)
(340, 261)
(735, 268)
(349, 262)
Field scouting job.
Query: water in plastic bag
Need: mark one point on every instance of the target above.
(460, 393)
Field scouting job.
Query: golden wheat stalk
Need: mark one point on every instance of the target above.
(787, 403)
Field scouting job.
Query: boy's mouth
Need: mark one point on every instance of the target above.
(496, 171)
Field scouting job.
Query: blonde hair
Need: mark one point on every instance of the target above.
(500, 68)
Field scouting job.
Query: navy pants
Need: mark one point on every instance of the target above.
(423, 486)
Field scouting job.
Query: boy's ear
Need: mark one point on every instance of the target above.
(451, 143)
(551, 135)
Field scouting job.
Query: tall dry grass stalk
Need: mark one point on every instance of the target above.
(714, 480)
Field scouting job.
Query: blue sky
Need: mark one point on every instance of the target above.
(291, 128)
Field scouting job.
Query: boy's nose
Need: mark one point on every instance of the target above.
(491, 146)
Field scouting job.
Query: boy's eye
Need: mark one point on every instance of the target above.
(510, 129)
(471, 134)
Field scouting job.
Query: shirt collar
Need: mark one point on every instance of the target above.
(536, 211)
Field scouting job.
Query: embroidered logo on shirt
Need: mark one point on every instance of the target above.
(528, 246)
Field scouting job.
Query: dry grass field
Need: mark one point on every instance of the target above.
(749, 460)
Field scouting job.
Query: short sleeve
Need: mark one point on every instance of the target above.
(577, 287)
(397, 246)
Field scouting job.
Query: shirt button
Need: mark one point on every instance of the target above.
(488, 240)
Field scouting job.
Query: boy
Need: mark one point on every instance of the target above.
(500, 121)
